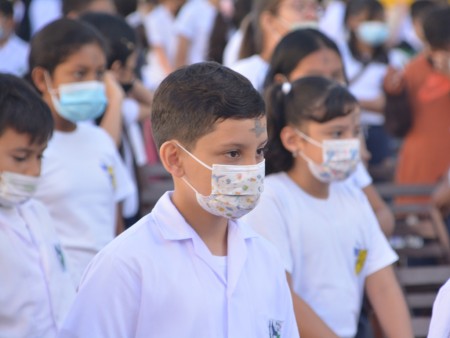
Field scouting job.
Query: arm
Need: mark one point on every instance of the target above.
(112, 119)
(441, 196)
(163, 59)
(384, 215)
(389, 304)
(120, 226)
(140, 93)
(376, 105)
(184, 45)
(310, 325)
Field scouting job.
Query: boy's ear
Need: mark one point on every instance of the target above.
(290, 140)
(170, 155)
(38, 77)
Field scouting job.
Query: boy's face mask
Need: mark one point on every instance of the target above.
(80, 101)
(235, 189)
(374, 33)
(340, 158)
(16, 189)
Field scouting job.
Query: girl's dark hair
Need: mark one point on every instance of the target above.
(219, 37)
(436, 27)
(253, 39)
(374, 11)
(311, 98)
(293, 48)
(58, 40)
(120, 38)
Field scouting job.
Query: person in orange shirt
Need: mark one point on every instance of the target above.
(425, 85)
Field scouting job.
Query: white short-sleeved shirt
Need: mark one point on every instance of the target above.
(253, 68)
(367, 86)
(14, 56)
(159, 279)
(328, 246)
(332, 22)
(440, 319)
(232, 49)
(36, 290)
(360, 178)
(195, 22)
(42, 12)
(83, 178)
(160, 28)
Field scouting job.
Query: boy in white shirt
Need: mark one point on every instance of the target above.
(193, 26)
(36, 290)
(190, 268)
(13, 50)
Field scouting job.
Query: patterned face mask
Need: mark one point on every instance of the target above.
(235, 189)
(340, 158)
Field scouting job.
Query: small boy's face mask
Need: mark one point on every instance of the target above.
(16, 189)
(235, 189)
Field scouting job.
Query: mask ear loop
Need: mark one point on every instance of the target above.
(47, 80)
(195, 158)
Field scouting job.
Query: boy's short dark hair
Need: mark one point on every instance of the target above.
(190, 100)
(77, 6)
(23, 110)
(420, 8)
(436, 27)
(6, 8)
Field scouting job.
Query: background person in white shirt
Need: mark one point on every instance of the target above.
(193, 27)
(190, 268)
(36, 290)
(13, 50)
(325, 230)
(269, 21)
(83, 178)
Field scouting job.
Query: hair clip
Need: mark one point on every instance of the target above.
(128, 44)
(286, 88)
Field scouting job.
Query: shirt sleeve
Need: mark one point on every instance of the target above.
(185, 23)
(107, 303)
(380, 253)
(440, 319)
(124, 186)
(269, 221)
(361, 177)
(155, 29)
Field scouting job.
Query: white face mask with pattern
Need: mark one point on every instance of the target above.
(235, 189)
(340, 158)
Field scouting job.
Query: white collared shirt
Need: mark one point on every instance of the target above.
(14, 56)
(440, 320)
(159, 279)
(35, 287)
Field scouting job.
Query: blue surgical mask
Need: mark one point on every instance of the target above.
(80, 101)
(374, 33)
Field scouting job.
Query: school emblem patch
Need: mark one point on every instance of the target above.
(361, 255)
(275, 327)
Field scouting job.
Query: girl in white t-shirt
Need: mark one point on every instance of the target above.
(325, 230)
(310, 52)
(440, 320)
(83, 177)
(269, 21)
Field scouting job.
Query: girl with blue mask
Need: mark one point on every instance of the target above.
(366, 61)
(83, 177)
(325, 230)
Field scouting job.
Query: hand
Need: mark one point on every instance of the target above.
(394, 81)
(114, 91)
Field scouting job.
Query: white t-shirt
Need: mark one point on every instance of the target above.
(160, 28)
(332, 22)
(36, 290)
(14, 56)
(367, 86)
(232, 49)
(159, 279)
(322, 243)
(83, 178)
(253, 68)
(42, 12)
(440, 320)
(360, 178)
(195, 22)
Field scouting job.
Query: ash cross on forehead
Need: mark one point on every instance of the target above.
(259, 128)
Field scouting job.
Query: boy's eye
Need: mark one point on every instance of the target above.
(261, 151)
(357, 132)
(337, 134)
(79, 74)
(19, 158)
